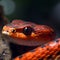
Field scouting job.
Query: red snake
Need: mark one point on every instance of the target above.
(31, 34)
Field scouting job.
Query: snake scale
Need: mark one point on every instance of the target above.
(31, 34)
(50, 51)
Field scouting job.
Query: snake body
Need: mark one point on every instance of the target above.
(50, 51)
(31, 34)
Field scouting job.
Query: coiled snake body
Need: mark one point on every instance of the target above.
(31, 34)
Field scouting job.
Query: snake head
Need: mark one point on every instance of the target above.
(27, 33)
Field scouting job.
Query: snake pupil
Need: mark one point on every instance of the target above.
(27, 30)
(13, 31)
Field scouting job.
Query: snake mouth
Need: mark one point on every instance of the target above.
(21, 41)
(7, 36)
(5, 32)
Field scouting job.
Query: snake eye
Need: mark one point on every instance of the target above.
(27, 30)
(13, 31)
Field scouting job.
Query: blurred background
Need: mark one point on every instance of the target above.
(39, 11)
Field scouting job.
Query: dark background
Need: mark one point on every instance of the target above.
(39, 11)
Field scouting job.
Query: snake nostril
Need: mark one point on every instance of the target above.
(7, 31)
(27, 30)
